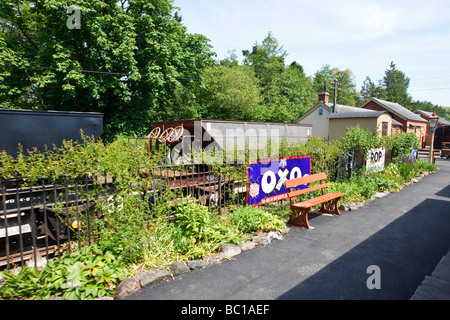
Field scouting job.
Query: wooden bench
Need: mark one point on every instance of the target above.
(299, 211)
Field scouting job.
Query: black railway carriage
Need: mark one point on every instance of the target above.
(27, 216)
(45, 128)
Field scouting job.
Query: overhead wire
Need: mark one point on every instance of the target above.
(421, 87)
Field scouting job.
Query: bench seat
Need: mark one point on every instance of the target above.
(300, 210)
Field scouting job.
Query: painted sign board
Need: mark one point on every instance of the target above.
(267, 177)
(375, 160)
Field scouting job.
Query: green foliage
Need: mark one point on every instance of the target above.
(324, 155)
(395, 86)
(77, 159)
(123, 227)
(84, 274)
(357, 139)
(402, 144)
(408, 170)
(251, 219)
(347, 94)
(425, 166)
(358, 188)
(369, 90)
(361, 187)
(128, 60)
(202, 230)
(286, 90)
(230, 93)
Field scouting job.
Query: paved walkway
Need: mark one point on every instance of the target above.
(405, 235)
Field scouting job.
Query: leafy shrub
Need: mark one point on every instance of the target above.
(123, 226)
(357, 139)
(386, 182)
(425, 166)
(84, 274)
(402, 144)
(199, 232)
(408, 168)
(249, 219)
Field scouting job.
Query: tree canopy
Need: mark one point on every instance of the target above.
(127, 59)
(136, 62)
(346, 92)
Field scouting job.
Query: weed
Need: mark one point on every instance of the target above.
(251, 219)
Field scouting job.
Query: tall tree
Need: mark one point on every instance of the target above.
(127, 59)
(347, 94)
(267, 61)
(287, 91)
(369, 90)
(230, 93)
(395, 86)
(292, 95)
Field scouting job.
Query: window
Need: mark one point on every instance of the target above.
(384, 130)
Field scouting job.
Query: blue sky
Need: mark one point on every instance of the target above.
(361, 35)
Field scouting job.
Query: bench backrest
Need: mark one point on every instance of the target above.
(292, 183)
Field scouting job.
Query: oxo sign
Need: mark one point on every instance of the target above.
(267, 177)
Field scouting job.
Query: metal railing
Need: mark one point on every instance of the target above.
(41, 218)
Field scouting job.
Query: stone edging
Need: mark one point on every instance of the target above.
(227, 252)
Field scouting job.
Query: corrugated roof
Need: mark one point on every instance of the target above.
(343, 108)
(399, 110)
(364, 114)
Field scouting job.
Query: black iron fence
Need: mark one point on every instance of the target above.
(45, 217)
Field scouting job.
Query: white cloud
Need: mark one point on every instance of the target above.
(361, 35)
(376, 20)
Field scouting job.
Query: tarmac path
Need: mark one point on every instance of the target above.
(404, 235)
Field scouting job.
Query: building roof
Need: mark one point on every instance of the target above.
(363, 114)
(396, 123)
(338, 109)
(397, 109)
(429, 114)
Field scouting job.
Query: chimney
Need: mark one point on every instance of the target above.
(323, 97)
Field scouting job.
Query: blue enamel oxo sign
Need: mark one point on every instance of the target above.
(267, 177)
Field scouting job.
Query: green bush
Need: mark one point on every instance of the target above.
(425, 166)
(408, 168)
(402, 144)
(123, 226)
(359, 140)
(84, 274)
(250, 219)
(199, 232)
(361, 187)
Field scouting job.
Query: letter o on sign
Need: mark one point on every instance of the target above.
(376, 156)
(295, 173)
(266, 186)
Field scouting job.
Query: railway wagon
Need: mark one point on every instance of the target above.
(27, 217)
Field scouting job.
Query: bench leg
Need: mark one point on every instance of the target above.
(299, 217)
(331, 207)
